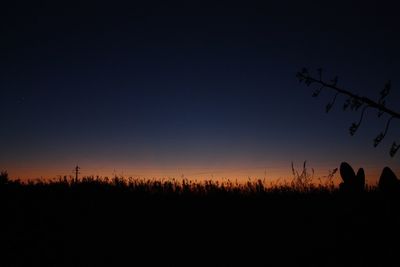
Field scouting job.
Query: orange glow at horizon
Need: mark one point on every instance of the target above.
(275, 174)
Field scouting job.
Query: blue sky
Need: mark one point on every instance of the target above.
(174, 88)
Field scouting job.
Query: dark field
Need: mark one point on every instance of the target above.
(148, 223)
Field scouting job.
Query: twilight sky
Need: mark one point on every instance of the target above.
(190, 88)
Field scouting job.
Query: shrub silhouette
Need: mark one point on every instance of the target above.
(388, 182)
(3, 177)
(351, 182)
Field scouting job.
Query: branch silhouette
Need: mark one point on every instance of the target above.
(354, 102)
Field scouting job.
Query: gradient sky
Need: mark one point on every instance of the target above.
(163, 88)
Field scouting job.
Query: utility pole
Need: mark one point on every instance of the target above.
(77, 168)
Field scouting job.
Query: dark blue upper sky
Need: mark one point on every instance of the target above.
(191, 87)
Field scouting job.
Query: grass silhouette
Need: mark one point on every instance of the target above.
(96, 221)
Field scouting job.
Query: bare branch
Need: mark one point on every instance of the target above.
(330, 104)
(354, 127)
(309, 80)
(355, 102)
(394, 148)
(382, 135)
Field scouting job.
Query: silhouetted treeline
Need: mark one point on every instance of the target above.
(122, 222)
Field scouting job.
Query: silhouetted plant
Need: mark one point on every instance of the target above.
(388, 182)
(95, 214)
(327, 181)
(354, 102)
(302, 181)
(3, 177)
(352, 182)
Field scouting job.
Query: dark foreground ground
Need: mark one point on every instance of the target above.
(97, 224)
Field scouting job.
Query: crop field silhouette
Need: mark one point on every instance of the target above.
(132, 222)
